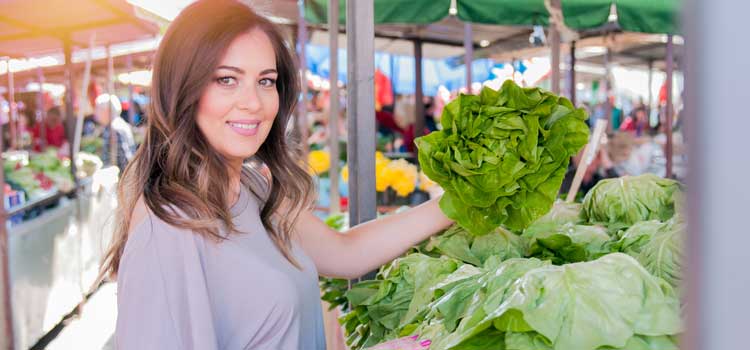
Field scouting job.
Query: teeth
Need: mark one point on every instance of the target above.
(244, 126)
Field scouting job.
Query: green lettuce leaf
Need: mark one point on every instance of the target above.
(567, 243)
(502, 155)
(581, 306)
(459, 244)
(624, 201)
(658, 246)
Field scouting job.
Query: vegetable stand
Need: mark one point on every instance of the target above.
(47, 263)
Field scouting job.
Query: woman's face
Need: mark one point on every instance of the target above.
(239, 105)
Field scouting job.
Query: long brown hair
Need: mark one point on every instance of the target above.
(175, 167)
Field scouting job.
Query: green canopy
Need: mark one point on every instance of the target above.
(585, 14)
(386, 11)
(503, 12)
(649, 16)
(644, 16)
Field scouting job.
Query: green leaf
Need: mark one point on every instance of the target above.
(624, 201)
(658, 247)
(582, 306)
(502, 155)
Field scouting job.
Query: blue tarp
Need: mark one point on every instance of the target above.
(436, 72)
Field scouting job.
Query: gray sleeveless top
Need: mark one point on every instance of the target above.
(178, 290)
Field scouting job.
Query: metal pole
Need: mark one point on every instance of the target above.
(668, 127)
(469, 54)
(650, 90)
(360, 29)
(607, 105)
(718, 195)
(13, 120)
(41, 111)
(418, 93)
(131, 110)
(111, 91)
(301, 53)
(333, 118)
(554, 37)
(70, 118)
(6, 307)
(572, 78)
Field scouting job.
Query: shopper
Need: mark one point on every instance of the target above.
(208, 252)
(54, 131)
(107, 106)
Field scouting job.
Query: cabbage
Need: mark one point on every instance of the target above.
(457, 243)
(658, 246)
(567, 243)
(403, 289)
(604, 303)
(621, 202)
(502, 155)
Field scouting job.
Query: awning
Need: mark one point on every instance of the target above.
(32, 28)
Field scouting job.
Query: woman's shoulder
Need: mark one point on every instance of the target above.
(148, 231)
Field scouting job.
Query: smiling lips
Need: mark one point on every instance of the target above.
(244, 127)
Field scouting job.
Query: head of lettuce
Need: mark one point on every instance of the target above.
(502, 155)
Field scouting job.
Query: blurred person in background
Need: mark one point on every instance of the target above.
(54, 131)
(601, 168)
(106, 106)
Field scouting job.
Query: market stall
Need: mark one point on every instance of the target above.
(51, 244)
(582, 15)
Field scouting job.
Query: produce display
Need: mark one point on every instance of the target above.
(519, 271)
(629, 199)
(572, 285)
(39, 174)
(502, 155)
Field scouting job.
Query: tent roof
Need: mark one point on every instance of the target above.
(32, 28)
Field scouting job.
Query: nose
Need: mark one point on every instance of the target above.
(249, 99)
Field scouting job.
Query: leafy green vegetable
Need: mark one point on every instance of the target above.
(333, 289)
(457, 243)
(621, 202)
(658, 247)
(567, 243)
(402, 290)
(45, 161)
(582, 306)
(561, 213)
(502, 155)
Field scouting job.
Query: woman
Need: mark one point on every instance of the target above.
(208, 252)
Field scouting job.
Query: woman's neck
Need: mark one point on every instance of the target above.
(235, 176)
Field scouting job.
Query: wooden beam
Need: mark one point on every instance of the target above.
(61, 32)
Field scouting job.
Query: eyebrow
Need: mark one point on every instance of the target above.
(241, 71)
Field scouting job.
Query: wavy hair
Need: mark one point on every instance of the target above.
(176, 167)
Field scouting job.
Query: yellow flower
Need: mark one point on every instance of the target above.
(382, 176)
(345, 173)
(401, 176)
(319, 161)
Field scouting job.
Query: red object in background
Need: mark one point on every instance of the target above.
(663, 94)
(383, 89)
(94, 91)
(55, 136)
(344, 203)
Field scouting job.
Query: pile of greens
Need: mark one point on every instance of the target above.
(519, 271)
(502, 155)
(563, 283)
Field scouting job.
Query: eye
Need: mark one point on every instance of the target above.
(267, 82)
(226, 81)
